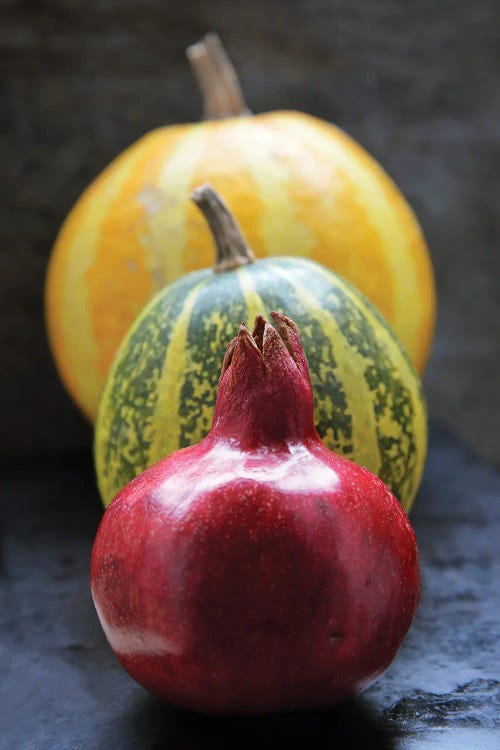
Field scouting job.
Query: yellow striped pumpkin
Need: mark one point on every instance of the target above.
(299, 186)
(161, 389)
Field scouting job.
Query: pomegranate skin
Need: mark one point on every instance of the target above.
(255, 573)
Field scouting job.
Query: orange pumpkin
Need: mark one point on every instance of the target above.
(298, 186)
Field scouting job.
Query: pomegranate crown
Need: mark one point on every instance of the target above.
(265, 393)
(266, 340)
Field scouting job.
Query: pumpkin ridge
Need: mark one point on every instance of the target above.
(215, 316)
(409, 408)
(128, 405)
(168, 410)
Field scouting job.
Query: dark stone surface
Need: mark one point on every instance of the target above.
(62, 689)
(417, 83)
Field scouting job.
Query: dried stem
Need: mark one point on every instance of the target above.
(217, 79)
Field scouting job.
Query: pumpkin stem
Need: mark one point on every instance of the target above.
(232, 248)
(217, 79)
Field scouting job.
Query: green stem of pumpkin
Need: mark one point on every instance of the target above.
(232, 248)
(217, 79)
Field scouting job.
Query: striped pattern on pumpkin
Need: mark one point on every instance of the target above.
(161, 390)
(297, 185)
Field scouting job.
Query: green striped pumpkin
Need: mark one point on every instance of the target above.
(160, 392)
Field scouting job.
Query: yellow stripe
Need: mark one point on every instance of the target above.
(253, 302)
(282, 232)
(121, 279)
(226, 165)
(169, 227)
(167, 419)
(350, 372)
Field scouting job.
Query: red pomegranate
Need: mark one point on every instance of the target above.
(256, 571)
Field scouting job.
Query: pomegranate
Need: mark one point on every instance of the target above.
(256, 571)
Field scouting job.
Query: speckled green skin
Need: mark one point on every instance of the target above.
(160, 392)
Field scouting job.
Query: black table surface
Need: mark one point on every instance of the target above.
(62, 689)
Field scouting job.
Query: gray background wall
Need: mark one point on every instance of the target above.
(417, 83)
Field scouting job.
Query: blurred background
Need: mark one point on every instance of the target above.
(416, 83)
